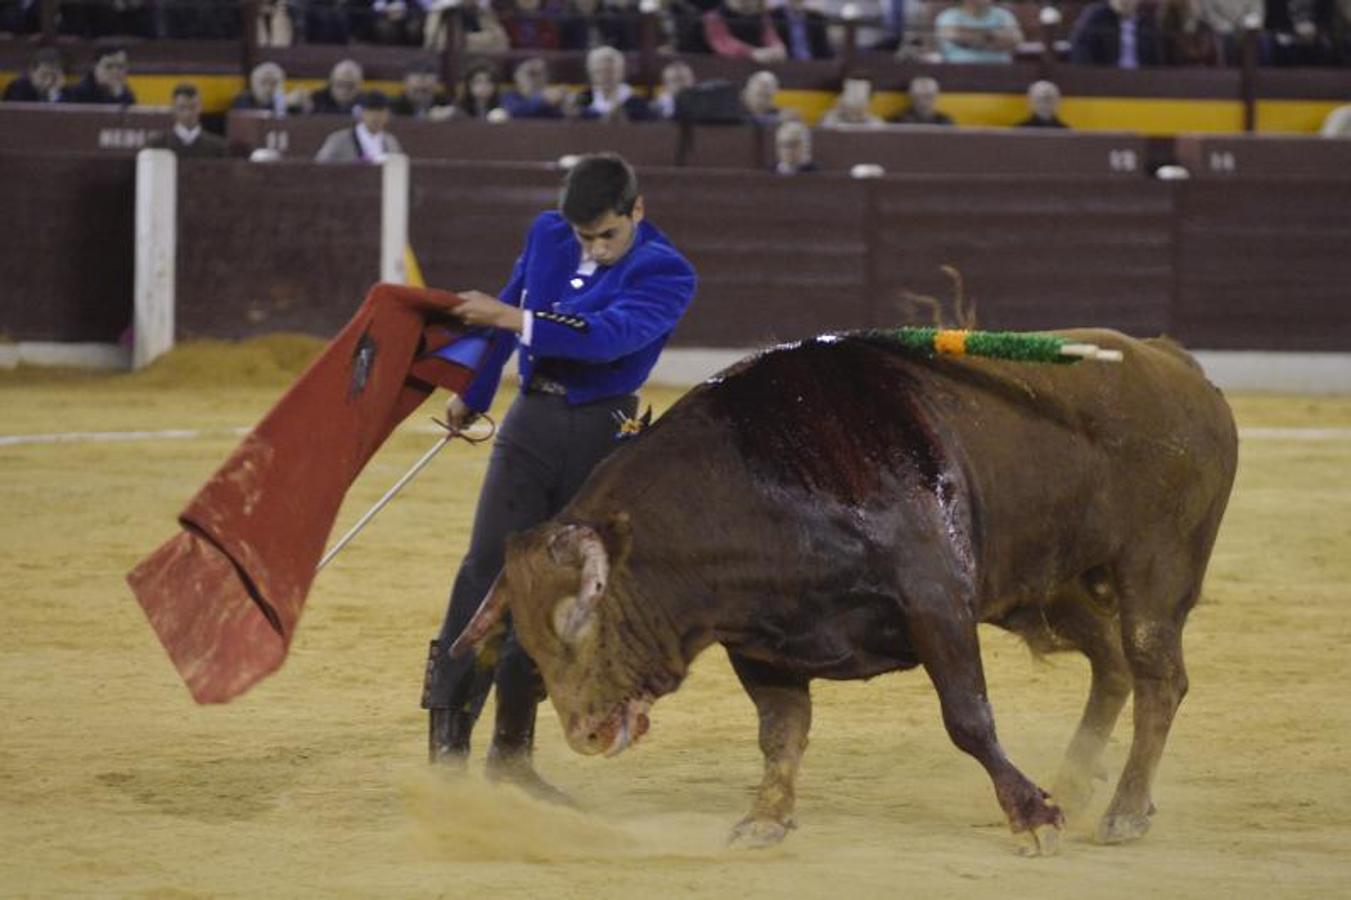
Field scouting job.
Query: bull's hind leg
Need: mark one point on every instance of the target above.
(1151, 633)
(784, 705)
(1084, 617)
(942, 629)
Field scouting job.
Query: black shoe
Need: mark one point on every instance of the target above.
(448, 738)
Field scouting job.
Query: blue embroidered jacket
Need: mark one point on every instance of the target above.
(598, 335)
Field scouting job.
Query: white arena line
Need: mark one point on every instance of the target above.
(115, 437)
(1310, 435)
(1294, 434)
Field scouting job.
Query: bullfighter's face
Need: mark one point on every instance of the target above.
(606, 240)
(555, 584)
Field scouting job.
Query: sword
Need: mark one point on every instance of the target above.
(451, 434)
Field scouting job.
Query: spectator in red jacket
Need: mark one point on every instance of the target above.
(741, 29)
(533, 25)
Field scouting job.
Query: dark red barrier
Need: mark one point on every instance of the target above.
(44, 128)
(66, 246)
(1264, 263)
(645, 144)
(987, 151)
(275, 247)
(1301, 156)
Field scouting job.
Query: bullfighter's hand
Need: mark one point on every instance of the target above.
(480, 309)
(458, 414)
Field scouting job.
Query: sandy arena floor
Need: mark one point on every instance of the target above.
(113, 782)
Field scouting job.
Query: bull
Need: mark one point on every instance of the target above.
(842, 507)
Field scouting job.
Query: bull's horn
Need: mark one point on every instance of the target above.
(488, 615)
(579, 545)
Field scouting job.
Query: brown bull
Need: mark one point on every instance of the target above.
(842, 508)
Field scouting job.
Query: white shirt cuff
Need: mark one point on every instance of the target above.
(527, 327)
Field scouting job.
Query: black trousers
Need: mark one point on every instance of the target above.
(544, 451)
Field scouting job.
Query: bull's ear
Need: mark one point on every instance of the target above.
(616, 533)
(580, 547)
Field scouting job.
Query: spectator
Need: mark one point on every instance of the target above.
(23, 17)
(106, 82)
(124, 18)
(609, 98)
(923, 108)
(1338, 123)
(44, 82)
(187, 137)
(758, 98)
(1220, 24)
(187, 19)
(1302, 31)
(1043, 102)
(1115, 33)
(977, 31)
(342, 93)
(802, 31)
(676, 77)
(741, 29)
(477, 98)
(422, 97)
(327, 23)
(533, 98)
(394, 21)
(481, 30)
(851, 107)
(266, 91)
(530, 25)
(893, 14)
(367, 141)
(275, 24)
(587, 25)
(793, 149)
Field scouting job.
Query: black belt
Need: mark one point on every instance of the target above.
(540, 385)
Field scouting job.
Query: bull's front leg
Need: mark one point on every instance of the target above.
(943, 630)
(784, 705)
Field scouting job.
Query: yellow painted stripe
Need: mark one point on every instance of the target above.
(1300, 116)
(1152, 117)
(158, 90)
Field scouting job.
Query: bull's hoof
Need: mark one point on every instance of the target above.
(1073, 792)
(1122, 828)
(517, 771)
(1044, 840)
(756, 834)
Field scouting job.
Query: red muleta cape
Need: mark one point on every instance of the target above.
(225, 594)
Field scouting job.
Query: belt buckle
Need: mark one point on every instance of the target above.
(541, 385)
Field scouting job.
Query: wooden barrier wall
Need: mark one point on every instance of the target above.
(1264, 263)
(283, 247)
(67, 246)
(1256, 262)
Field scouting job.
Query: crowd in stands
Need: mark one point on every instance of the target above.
(1126, 33)
(1121, 33)
(607, 97)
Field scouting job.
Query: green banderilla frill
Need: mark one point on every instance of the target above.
(1021, 347)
